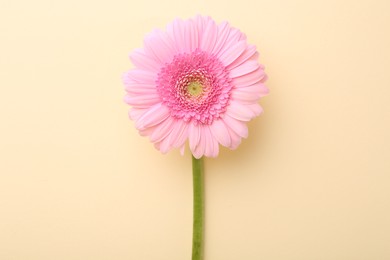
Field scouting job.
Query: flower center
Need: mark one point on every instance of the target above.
(195, 88)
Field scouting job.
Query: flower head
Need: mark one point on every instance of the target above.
(196, 81)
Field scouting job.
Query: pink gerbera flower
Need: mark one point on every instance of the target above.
(196, 81)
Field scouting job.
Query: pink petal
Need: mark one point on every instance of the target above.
(237, 126)
(162, 130)
(245, 97)
(244, 69)
(256, 109)
(176, 31)
(191, 36)
(215, 148)
(259, 88)
(142, 101)
(236, 139)
(140, 76)
(209, 36)
(198, 153)
(143, 61)
(232, 39)
(212, 147)
(157, 47)
(179, 133)
(164, 145)
(129, 83)
(223, 34)
(167, 40)
(264, 79)
(209, 146)
(242, 36)
(250, 53)
(232, 53)
(240, 112)
(220, 132)
(249, 79)
(136, 113)
(193, 136)
(142, 89)
(199, 150)
(146, 131)
(153, 116)
(201, 23)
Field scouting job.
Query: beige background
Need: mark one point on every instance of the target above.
(78, 182)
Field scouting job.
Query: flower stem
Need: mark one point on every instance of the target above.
(197, 232)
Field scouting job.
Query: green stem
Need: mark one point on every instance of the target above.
(197, 232)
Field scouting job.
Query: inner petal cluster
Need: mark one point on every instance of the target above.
(195, 86)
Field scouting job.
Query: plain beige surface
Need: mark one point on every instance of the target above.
(77, 182)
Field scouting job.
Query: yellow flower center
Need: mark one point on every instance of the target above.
(195, 88)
